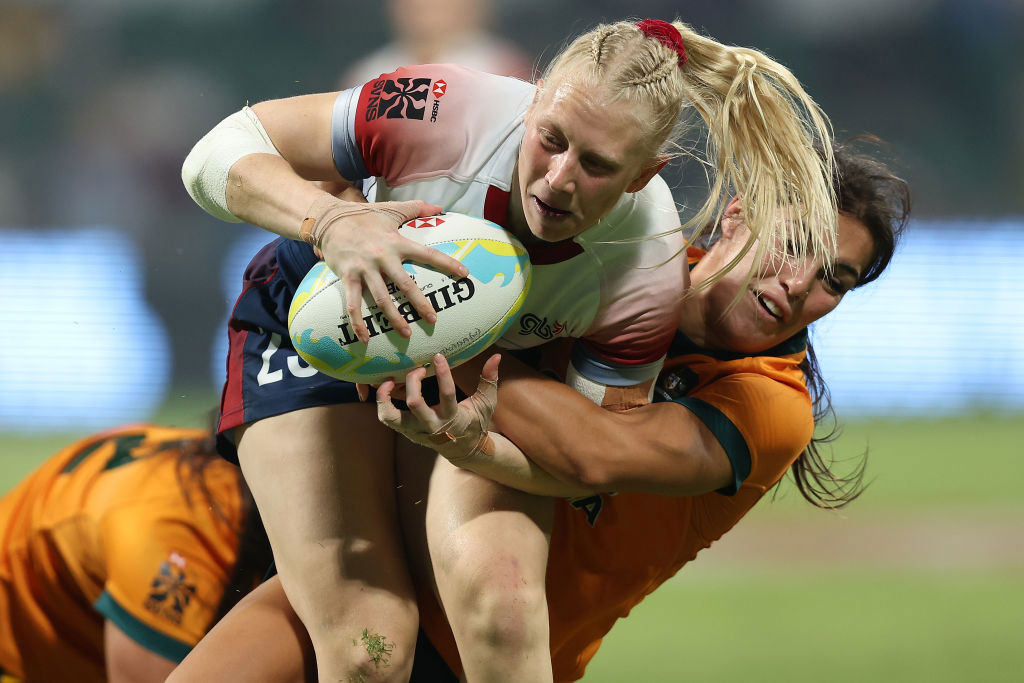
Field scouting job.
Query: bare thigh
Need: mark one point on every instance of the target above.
(261, 640)
(323, 480)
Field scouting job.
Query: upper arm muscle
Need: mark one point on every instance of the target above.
(300, 128)
(661, 448)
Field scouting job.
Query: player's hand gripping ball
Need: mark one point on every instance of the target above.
(472, 312)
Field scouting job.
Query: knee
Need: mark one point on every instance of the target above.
(363, 654)
(374, 659)
(497, 601)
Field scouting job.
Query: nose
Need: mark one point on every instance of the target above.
(561, 176)
(798, 278)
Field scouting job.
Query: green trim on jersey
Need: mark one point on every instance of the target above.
(80, 458)
(123, 454)
(143, 634)
(728, 435)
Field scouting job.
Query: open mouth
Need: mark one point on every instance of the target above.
(547, 210)
(773, 310)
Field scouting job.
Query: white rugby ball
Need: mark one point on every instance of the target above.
(472, 312)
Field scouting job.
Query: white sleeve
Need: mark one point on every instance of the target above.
(205, 170)
(606, 384)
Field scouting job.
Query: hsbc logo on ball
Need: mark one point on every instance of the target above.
(429, 222)
(438, 90)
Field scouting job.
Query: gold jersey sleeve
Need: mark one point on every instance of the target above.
(112, 528)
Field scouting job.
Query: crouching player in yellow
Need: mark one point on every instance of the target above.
(119, 553)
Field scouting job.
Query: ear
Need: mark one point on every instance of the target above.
(649, 171)
(538, 91)
(731, 217)
(536, 99)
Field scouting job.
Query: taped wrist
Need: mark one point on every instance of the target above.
(466, 434)
(326, 211)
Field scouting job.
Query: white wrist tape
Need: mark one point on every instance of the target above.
(584, 385)
(205, 171)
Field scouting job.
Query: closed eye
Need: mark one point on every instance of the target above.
(550, 141)
(843, 278)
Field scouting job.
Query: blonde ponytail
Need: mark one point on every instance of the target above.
(768, 142)
(764, 132)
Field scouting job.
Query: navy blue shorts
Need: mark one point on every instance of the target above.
(265, 375)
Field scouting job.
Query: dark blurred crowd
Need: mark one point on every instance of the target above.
(100, 100)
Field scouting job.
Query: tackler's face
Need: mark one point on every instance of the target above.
(579, 155)
(753, 314)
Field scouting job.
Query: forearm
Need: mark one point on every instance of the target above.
(501, 460)
(658, 448)
(264, 190)
(257, 164)
(557, 442)
(561, 431)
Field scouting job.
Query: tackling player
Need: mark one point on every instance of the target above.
(119, 553)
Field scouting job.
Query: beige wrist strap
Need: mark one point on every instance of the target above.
(326, 210)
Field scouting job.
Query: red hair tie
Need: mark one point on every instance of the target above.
(666, 34)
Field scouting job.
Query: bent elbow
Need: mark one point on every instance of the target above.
(591, 474)
(206, 169)
(204, 181)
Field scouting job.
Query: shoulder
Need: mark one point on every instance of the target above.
(642, 276)
(691, 370)
(422, 118)
(168, 550)
(759, 403)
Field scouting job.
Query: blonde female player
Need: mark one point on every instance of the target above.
(568, 166)
(737, 405)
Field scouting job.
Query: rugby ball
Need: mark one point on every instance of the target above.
(472, 312)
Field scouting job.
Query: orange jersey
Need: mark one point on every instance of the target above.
(608, 552)
(103, 531)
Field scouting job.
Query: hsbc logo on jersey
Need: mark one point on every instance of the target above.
(439, 89)
(400, 98)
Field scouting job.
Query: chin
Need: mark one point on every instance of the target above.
(747, 342)
(546, 233)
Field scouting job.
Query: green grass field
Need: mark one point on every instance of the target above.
(835, 625)
(939, 600)
(920, 580)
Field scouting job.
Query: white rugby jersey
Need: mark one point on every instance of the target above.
(450, 135)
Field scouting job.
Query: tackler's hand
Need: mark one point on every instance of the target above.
(454, 429)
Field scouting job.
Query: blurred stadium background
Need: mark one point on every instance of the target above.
(115, 287)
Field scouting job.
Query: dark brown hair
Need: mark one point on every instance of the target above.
(253, 556)
(868, 191)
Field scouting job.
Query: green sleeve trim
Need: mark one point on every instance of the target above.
(123, 452)
(728, 435)
(146, 636)
(82, 455)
